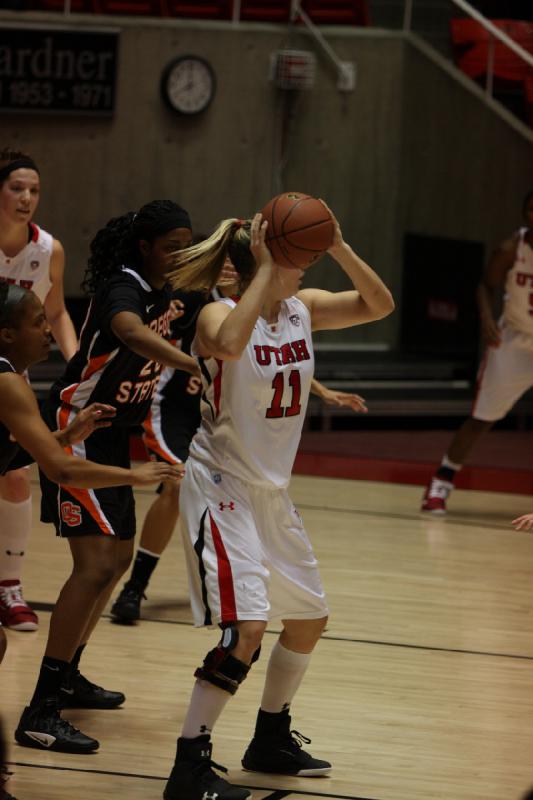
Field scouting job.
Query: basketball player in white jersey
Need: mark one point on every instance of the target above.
(248, 555)
(506, 371)
(33, 259)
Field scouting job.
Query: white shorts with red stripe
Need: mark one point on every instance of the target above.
(248, 555)
(504, 375)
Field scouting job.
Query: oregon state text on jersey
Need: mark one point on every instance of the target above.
(104, 369)
(30, 268)
(518, 304)
(253, 409)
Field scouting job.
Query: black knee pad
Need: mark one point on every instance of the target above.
(221, 668)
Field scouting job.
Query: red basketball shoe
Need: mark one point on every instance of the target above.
(435, 497)
(15, 613)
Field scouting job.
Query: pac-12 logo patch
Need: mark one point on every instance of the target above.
(294, 319)
(70, 514)
(34, 264)
(217, 477)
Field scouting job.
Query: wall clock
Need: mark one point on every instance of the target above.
(188, 85)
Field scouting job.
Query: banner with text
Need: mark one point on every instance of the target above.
(45, 70)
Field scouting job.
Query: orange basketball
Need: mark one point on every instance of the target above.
(300, 229)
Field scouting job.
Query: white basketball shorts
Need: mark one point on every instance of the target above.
(248, 555)
(505, 374)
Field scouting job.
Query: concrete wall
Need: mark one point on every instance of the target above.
(408, 150)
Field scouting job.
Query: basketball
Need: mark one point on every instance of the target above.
(300, 229)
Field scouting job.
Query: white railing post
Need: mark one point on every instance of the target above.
(489, 84)
(66, 7)
(407, 14)
(236, 16)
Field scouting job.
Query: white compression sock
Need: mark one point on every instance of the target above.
(450, 464)
(284, 674)
(15, 527)
(206, 706)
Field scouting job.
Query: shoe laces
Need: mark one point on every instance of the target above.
(132, 592)
(204, 769)
(11, 596)
(439, 489)
(297, 740)
(85, 682)
(51, 711)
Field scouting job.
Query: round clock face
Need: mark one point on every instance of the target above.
(188, 84)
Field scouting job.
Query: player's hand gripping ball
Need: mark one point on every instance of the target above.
(300, 229)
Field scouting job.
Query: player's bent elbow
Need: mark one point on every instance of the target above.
(229, 350)
(385, 307)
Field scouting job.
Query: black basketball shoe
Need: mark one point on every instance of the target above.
(127, 606)
(42, 727)
(275, 748)
(78, 692)
(193, 777)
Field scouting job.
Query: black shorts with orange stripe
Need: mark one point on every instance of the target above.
(90, 512)
(169, 427)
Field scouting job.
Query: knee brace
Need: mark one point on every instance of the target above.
(221, 668)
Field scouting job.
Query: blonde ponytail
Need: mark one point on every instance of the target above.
(198, 267)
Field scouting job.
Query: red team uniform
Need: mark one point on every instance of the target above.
(506, 371)
(30, 268)
(241, 529)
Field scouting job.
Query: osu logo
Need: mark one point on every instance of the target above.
(70, 514)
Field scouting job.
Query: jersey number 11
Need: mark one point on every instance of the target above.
(275, 409)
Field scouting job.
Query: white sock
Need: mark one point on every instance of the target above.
(450, 464)
(284, 674)
(15, 527)
(206, 706)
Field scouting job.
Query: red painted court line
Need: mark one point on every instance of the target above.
(329, 465)
(488, 479)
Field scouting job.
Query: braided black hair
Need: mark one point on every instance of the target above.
(118, 243)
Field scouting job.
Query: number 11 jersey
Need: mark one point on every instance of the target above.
(253, 408)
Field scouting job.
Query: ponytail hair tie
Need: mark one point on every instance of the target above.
(239, 223)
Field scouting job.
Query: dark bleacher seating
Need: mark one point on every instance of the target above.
(148, 8)
(265, 10)
(511, 74)
(337, 12)
(77, 6)
(471, 43)
(199, 9)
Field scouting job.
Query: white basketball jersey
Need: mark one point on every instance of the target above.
(253, 409)
(30, 268)
(518, 301)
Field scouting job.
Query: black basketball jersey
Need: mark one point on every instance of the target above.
(10, 451)
(175, 387)
(105, 370)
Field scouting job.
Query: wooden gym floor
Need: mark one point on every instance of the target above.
(421, 688)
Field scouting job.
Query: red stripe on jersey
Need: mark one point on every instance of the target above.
(217, 386)
(228, 608)
(34, 232)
